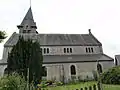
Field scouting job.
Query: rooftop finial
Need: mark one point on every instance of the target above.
(89, 31)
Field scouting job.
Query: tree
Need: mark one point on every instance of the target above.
(26, 54)
(2, 36)
(112, 76)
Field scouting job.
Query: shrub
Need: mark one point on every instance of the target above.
(112, 76)
(12, 82)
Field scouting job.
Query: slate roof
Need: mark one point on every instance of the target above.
(54, 59)
(28, 17)
(76, 58)
(58, 39)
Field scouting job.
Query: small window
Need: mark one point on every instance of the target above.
(64, 50)
(47, 50)
(86, 50)
(41, 50)
(44, 71)
(67, 50)
(89, 50)
(70, 50)
(44, 50)
(92, 50)
(26, 26)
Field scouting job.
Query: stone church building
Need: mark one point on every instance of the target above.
(64, 55)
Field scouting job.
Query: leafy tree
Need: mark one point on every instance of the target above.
(26, 54)
(112, 76)
(2, 36)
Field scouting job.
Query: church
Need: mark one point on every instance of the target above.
(65, 56)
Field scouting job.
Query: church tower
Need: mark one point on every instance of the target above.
(28, 26)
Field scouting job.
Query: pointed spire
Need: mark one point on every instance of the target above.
(28, 16)
(28, 25)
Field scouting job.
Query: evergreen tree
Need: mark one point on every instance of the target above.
(24, 55)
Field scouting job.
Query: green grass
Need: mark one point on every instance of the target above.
(71, 87)
(111, 87)
(82, 85)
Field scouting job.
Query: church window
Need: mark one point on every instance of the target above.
(64, 50)
(70, 50)
(99, 68)
(41, 50)
(86, 50)
(47, 50)
(67, 50)
(92, 50)
(89, 50)
(44, 71)
(44, 50)
(73, 70)
(26, 26)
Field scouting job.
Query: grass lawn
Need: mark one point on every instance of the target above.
(111, 87)
(82, 85)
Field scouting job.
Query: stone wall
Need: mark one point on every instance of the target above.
(83, 70)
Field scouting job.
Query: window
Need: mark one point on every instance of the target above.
(99, 68)
(92, 50)
(73, 70)
(44, 71)
(86, 50)
(47, 50)
(26, 26)
(64, 50)
(44, 50)
(41, 50)
(70, 50)
(67, 50)
(89, 50)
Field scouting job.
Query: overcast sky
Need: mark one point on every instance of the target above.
(67, 16)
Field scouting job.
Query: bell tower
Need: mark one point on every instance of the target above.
(28, 26)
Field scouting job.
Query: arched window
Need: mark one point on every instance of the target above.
(44, 71)
(99, 68)
(73, 70)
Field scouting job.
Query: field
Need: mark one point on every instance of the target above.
(82, 85)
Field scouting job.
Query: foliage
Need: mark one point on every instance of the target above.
(112, 76)
(2, 35)
(26, 54)
(12, 82)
